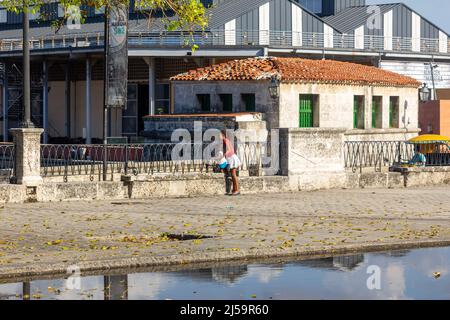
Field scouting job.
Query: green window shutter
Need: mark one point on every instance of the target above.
(205, 102)
(250, 102)
(227, 102)
(374, 113)
(355, 112)
(306, 111)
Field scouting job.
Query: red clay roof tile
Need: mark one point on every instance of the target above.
(298, 70)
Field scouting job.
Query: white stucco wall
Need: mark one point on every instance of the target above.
(57, 112)
(336, 104)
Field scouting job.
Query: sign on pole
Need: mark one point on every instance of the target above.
(117, 57)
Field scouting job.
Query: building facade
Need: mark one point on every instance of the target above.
(67, 66)
(370, 103)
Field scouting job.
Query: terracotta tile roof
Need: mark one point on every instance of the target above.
(298, 70)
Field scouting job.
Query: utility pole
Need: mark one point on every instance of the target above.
(105, 95)
(26, 121)
(432, 67)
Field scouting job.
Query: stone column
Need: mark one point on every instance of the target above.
(27, 142)
(368, 108)
(385, 112)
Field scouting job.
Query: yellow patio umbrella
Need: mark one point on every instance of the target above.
(429, 138)
(430, 143)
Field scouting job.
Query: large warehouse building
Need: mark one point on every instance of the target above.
(67, 66)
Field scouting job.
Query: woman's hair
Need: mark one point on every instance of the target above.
(223, 132)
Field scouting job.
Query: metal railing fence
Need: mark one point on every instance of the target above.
(7, 162)
(245, 38)
(157, 158)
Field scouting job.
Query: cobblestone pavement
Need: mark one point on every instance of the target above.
(46, 236)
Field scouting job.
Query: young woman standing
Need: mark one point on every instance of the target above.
(233, 161)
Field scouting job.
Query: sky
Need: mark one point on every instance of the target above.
(434, 10)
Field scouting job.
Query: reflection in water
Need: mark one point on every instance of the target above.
(342, 263)
(227, 275)
(26, 290)
(404, 275)
(116, 287)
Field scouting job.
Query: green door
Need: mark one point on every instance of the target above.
(306, 111)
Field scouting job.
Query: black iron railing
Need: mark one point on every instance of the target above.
(376, 154)
(71, 160)
(7, 162)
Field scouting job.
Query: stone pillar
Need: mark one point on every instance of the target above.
(27, 142)
(368, 108)
(311, 151)
(385, 112)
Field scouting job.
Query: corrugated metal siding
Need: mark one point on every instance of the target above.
(14, 18)
(428, 30)
(226, 10)
(402, 17)
(340, 5)
(280, 15)
(311, 23)
(248, 21)
(350, 19)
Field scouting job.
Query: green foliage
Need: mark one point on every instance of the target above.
(189, 15)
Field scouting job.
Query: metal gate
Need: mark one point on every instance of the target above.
(306, 111)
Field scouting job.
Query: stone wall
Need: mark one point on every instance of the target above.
(185, 97)
(160, 128)
(381, 134)
(311, 151)
(209, 185)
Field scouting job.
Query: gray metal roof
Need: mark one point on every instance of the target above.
(351, 18)
(221, 13)
(354, 17)
(38, 32)
(135, 25)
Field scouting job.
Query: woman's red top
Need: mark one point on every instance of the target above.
(228, 148)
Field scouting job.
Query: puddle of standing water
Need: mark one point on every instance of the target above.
(407, 274)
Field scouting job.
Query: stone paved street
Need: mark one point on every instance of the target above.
(48, 237)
